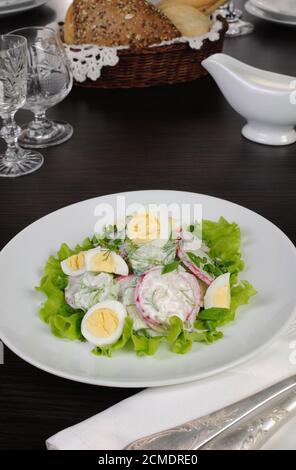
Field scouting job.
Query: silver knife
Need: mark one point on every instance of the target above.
(198, 433)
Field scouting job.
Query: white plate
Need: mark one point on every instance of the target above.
(279, 7)
(13, 3)
(250, 7)
(270, 267)
(20, 8)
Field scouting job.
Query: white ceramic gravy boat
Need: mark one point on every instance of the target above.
(266, 100)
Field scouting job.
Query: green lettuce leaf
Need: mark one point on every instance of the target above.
(51, 285)
(181, 340)
(182, 344)
(120, 343)
(224, 240)
(241, 295)
(214, 314)
(145, 345)
(213, 317)
(208, 336)
(65, 322)
(64, 252)
(176, 328)
(67, 327)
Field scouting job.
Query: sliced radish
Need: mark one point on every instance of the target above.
(159, 296)
(125, 282)
(200, 273)
(195, 286)
(127, 287)
(154, 324)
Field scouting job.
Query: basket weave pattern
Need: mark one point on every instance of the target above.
(167, 64)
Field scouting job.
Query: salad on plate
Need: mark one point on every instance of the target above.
(137, 289)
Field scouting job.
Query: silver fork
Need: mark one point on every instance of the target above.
(246, 424)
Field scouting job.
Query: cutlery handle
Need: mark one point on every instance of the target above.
(251, 433)
(198, 432)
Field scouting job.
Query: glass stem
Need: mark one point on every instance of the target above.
(10, 133)
(232, 16)
(40, 120)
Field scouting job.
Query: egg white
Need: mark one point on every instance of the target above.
(118, 309)
(72, 272)
(121, 268)
(223, 280)
(154, 238)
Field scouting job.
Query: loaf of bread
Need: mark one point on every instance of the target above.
(69, 36)
(209, 9)
(189, 20)
(110, 23)
(199, 4)
(205, 6)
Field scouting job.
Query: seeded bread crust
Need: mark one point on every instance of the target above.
(69, 34)
(111, 23)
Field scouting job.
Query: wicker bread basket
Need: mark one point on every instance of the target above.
(158, 65)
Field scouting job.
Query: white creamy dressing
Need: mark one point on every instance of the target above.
(127, 295)
(152, 254)
(198, 248)
(166, 295)
(190, 241)
(88, 289)
(133, 312)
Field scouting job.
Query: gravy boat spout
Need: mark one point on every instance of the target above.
(265, 99)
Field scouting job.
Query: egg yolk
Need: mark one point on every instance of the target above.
(143, 228)
(76, 262)
(102, 261)
(102, 323)
(221, 297)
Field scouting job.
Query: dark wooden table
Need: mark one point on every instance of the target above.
(183, 137)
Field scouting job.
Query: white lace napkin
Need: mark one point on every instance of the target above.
(157, 409)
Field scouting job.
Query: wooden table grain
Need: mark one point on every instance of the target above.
(183, 137)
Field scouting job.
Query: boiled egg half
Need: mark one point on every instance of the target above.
(218, 293)
(101, 260)
(103, 323)
(145, 228)
(74, 265)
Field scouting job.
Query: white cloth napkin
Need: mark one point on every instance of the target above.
(156, 409)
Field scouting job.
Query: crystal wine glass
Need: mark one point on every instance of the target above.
(13, 85)
(236, 26)
(49, 82)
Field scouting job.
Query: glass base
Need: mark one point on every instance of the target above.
(224, 11)
(239, 28)
(21, 163)
(50, 134)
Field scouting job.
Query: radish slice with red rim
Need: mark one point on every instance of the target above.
(198, 271)
(196, 289)
(125, 282)
(160, 296)
(127, 287)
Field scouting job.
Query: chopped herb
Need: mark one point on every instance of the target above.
(170, 267)
(106, 255)
(197, 260)
(209, 268)
(108, 243)
(216, 267)
(187, 297)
